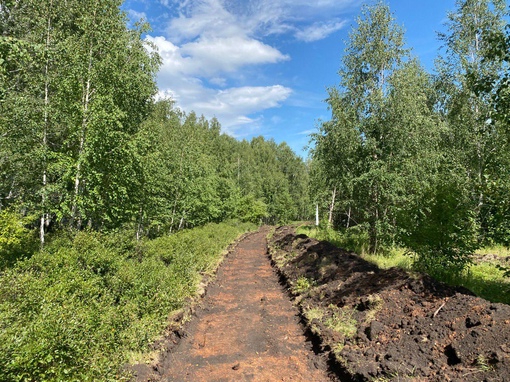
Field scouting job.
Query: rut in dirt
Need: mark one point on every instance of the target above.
(246, 328)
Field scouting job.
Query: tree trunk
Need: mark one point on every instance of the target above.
(331, 208)
(372, 233)
(44, 215)
(140, 224)
(84, 124)
(181, 222)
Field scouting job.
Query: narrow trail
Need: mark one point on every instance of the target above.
(246, 328)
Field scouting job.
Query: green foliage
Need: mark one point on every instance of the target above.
(251, 209)
(379, 146)
(75, 310)
(442, 227)
(193, 174)
(16, 241)
(473, 138)
(353, 239)
(92, 148)
(302, 285)
(79, 85)
(497, 210)
(415, 160)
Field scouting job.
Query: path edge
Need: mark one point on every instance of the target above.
(177, 322)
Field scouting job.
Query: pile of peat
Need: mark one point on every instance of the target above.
(388, 325)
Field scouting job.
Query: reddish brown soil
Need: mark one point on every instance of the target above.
(407, 328)
(246, 328)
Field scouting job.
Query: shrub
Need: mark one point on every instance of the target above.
(76, 310)
(443, 230)
(252, 210)
(16, 241)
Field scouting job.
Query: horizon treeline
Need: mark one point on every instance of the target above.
(83, 143)
(415, 159)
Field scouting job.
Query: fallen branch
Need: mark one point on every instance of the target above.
(438, 309)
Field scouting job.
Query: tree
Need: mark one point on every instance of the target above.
(382, 125)
(110, 91)
(31, 35)
(471, 139)
(78, 84)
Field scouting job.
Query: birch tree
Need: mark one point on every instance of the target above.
(374, 149)
(109, 94)
(472, 140)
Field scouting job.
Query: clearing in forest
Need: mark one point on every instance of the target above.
(245, 329)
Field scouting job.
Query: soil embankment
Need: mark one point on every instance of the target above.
(244, 329)
(386, 325)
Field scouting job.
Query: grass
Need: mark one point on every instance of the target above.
(375, 305)
(302, 285)
(313, 314)
(341, 321)
(89, 303)
(486, 280)
(482, 363)
(394, 257)
(498, 250)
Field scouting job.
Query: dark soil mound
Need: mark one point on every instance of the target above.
(385, 325)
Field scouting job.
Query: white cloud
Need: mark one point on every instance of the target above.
(234, 106)
(136, 16)
(248, 99)
(320, 30)
(307, 132)
(207, 18)
(210, 42)
(215, 55)
(219, 81)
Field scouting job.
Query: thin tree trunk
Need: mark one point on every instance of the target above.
(331, 208)
(77, 179)
(140, 224)
(44, 215)
(174, 211)
(238, 171)
(181, 222)
(177, 193)
(373, 234)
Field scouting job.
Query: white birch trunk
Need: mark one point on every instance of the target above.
(331, 208)
(77, 179)
(44, 215)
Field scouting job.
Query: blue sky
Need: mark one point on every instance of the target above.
(262, 66)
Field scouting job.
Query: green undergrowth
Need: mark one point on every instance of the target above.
(16, 241)
(78, 309)
(484, 279)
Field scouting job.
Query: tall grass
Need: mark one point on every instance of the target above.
(78, 309)
(484, 279)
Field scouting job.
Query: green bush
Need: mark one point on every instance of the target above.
(16, 241)
(353, 239)
(252, 210)
(444, 231)
(75, 311)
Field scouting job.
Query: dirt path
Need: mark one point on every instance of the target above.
(246, 329)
